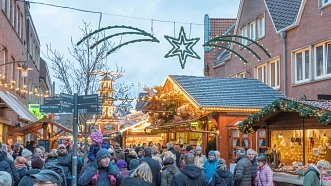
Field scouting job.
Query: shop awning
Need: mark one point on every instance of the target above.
(321, 110)
(17, 107)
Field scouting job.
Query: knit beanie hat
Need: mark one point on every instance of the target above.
(20, 160)
(37, 163)
(102, 153)
(17, 144)
(189, 148)
(198, 148)
(26, 153)
(97, 136)
(212, 153)
(121, 164)
(221, 162)
(133, 164)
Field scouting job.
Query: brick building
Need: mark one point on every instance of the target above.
(295, 33)
(19, 49)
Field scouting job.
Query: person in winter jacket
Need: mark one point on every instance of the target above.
(133, 155)
(65, 161)
(251, 154)
(243, 171)
(121, 164)
(142, 176)
(96, 138)
(36, 164)
(190, 175)
(154, 166)
(170, 147)
(210, 165)
(17, 149)
(5, 166)
(5, 179)
(20, 166)
(168, 171)
(100, 165)
(28, 156)
(47, 177)
(199, 156)
(222, 176)
(133, 166)
(315, 173)
(139, 152)
(264, 173)
(119, 154)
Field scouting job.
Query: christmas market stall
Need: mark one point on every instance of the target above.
(298, 133)
(190, 110)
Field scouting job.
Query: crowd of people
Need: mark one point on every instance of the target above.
(143, 165)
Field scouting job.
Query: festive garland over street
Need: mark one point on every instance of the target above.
(304, 110)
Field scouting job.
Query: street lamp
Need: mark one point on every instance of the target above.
(24, 67)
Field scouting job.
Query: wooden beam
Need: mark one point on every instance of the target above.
(57, 133)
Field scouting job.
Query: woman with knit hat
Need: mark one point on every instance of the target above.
(222, 176)
(37, 164)
(27, 155)
(21, 166)
(99, 173)
(199, 158)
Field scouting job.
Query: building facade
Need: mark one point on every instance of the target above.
(19, 68)
(295, 34)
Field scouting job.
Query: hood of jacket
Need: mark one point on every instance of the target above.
(32, 171)
(171, 168)
(223, 173)
(117, 150)
(313, 167)
(192, 171)
(62, 153)
(135, 181)
(3, 155)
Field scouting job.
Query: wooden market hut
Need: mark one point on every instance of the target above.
(213, 108)
(48, 130)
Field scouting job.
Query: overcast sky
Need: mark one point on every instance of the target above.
(143, 62)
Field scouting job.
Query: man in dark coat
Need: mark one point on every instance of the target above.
(190, 175)
(251, 154)
(65, 161)
(13, 171)
(170, 147)
(17, 149)
(119, 152)
(243, 171)
(154, 165)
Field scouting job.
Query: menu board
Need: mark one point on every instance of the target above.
(44, 143)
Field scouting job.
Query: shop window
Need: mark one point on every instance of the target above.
(301, 63)
(239, 140)
(262, 142)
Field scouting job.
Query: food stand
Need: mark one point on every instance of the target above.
(297, 134)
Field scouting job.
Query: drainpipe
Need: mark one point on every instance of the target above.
(283, 36)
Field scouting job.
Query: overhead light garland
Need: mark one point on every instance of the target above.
(182, 47)
(304, 110)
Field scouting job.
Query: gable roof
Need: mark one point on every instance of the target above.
(226, 92)
(283, 13)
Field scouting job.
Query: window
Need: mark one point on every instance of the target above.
(324, 2)
(302, 69)
(261, 73)
(274, 74)
(244, 34)
(12, 12)
(252, 32)
(11, 71)
(233, 76)
(260, 26)
(8, 9)
(3, 5)
(3, 67)
(16, 19)
(322, 60)
(21, 23)
(17, 78)
(242, 75)
(328, 59)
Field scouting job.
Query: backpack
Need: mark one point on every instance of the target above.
(56, 167)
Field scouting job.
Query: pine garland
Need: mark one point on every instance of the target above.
(246, 126)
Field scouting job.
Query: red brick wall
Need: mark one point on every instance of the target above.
(314, 26)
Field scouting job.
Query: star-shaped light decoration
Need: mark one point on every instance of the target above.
(182, 47)
(126, 104)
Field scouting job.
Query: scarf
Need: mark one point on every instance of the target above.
(20, 166)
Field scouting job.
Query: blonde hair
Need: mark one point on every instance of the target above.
(143, 172)
(323, 164)
(168, 154)
(134, 153)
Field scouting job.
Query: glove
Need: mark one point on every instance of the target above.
(95, 164)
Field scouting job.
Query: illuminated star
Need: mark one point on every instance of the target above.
(182, 47)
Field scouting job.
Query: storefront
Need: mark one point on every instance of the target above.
(297, 133)
(191, 110)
